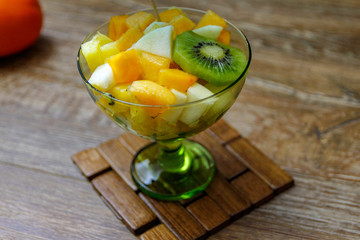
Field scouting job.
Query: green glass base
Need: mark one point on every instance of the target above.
(173, 170)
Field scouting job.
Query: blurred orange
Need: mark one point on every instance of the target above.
(20, 25)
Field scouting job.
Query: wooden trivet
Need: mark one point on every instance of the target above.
(245, 179)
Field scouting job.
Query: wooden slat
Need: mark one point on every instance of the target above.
(227, 163)
(176, 218)
(209, 214)
(223, 131)
(90, 162)
(119, 159)
(253, 187)
(158, 232)
(132, 142)
(227, 197)
(134, 213)
(260, 164)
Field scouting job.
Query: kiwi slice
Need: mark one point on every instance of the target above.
(208, 59)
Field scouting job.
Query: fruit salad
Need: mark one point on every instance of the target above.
(164, 78)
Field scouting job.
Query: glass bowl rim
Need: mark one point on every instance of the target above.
(213, 96)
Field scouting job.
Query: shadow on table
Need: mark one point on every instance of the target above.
(33, 55)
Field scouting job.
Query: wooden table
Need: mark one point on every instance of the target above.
(300, 105)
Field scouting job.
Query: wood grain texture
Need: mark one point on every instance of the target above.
(158, 232)
(119, 195)
(90, 162)
(227, 163)
(259, 163)
(253, 187)
(300, 106)
(176, 218)
(209, 214)
(119, 159)
(226, 196)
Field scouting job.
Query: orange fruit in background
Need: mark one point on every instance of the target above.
(20, 25)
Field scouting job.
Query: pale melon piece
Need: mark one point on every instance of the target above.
(192, 113)
(209, 31)
(158, 42)
(172, 115)
(155, 25)
(102, 78)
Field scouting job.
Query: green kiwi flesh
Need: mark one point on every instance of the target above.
(208, 59)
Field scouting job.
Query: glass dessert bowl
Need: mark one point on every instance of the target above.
(171, 167)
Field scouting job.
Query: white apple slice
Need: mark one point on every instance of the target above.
(158, 42)
(172, 115)
(155, 25)
(209, 31)
(192, 113)
(102, 78)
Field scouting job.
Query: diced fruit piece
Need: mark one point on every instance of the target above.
(126, 66)
(131, 36)
(91, 50)
(108, 50)
(181, 24)
(192, 113)
(158, 42)
(209, 31)
(117, 26)
(120, 92)
(141, 121)
(102, 78)
(177, 79)
(155, 25)
(211, 18)
(215, 62)
(169, 14)
(150, 93)
(101, 39)
(225, 37)
(142, 18)
(92, 53)
(152, 64)
(171, 115)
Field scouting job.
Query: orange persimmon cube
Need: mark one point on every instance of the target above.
(169, 14)
(150, 93)
(126, 66)
(117, 26)
(211, 18)
(131, 36)
(176, 79)
(181, 24)
(144, 19)
(152, 64)
(225, 37)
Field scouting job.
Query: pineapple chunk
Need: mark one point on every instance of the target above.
(108, 50)
(92, 52)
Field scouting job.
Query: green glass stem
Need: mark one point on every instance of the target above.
(172, 169)
(172, 157)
